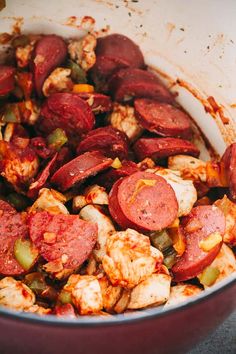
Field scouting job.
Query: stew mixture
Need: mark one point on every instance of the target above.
(105, 206)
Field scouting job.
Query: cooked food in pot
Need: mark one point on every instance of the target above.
(105, 205)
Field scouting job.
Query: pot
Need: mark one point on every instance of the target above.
(192, 49)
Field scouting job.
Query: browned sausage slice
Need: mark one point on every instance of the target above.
(197, 226)
(83, 166)
(66, 111)
(41, 179)
(7, 80)
(109, 141)
(229, 162)
(162, 118)
(98, 102)
(131, 83)
(49, 52)
(163, 147)
(143, 201)
(12, 227)
(114, 52)
(63, 238)
(108, 178)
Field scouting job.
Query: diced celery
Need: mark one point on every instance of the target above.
(57, 139)
(161, 240)
(25, 253)
(19, 201)
(65, 297)
(170, 258)
(209, 276)
(78, 75)
(36, 282)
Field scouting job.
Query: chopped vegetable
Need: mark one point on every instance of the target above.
(65, 297)
(83, 88)
(161, 240)
(57, 139)
(20, 41)
(116, 163)
(11, 114)
(210, 241)
(26, 254)
(209, 276)
(36, 282)
(170, 257)
(78, 75)
(19, 201)
(178, 240)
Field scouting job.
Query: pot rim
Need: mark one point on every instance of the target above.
(119, 319)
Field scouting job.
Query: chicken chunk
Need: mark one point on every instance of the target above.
(18, 166)
(225, 262)
(123, 118)
(105, 228)
(58, 81)
(23, 55)
(39, 310)
(83, 51)
(154, 290)
(189, 167)
(181, 292)
(51, 201)
(229, 210)
(129, 259)
(110, 294)
(86, 294)
(15, 294)
(92, 195)
(184, 189)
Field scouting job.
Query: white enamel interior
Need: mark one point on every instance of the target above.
(194, 41)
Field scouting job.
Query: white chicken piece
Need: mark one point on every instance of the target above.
(154, 290)
(123, 301)
(129, 259)
(58, 81)
(50, 200)
(15, 294)
(39, 310)
(82, 51)
(229, 210)
(225, 262)
(92, 195)
(189, 167)
(181, 292)
(123, 119)
(184, 189)
(86, 294)
(33, 112)
(105, 228)
(110, 294)
(23, 55)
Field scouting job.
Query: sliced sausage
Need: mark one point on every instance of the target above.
(66, 111)
(114, 52)
(109, 141)
(62, 238)
(229, 162)
(83, 166)
(108, 178)
(41, 180)
(197, 226)
(98, 102)
(131, 83)
(12, 226)
(120, 47)
(163, 147)
(7, 79)
(65, 310)
(49, 52)
(143, 201)
(162, 118)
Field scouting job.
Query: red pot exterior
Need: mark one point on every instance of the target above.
(173, 332)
